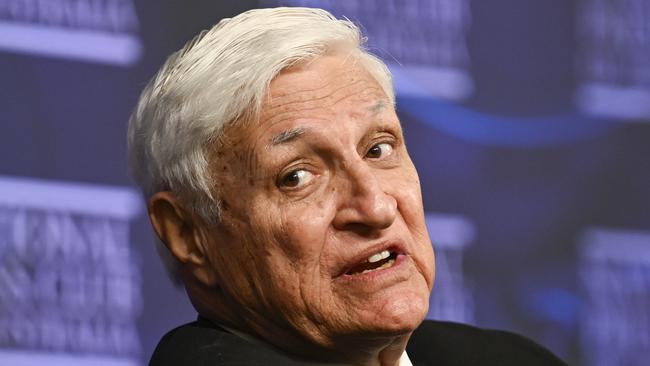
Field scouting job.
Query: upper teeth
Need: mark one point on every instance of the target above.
(379, 256)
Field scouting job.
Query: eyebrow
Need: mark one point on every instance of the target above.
(287, 135)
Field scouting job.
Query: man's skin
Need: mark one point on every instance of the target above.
(309, 192)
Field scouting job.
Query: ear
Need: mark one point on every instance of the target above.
(182, 233)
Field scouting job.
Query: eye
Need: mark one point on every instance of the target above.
(379, 151)
(296, 179)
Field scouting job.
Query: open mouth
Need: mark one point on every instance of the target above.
(382, 260)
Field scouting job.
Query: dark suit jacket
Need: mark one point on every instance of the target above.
(433, 343)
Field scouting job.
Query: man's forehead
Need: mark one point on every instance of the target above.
(319, 77)
(294, 132)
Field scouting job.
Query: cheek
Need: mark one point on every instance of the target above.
(243, 239)
(303, 232)
(410, 198)
(412, 210)
(295, 276)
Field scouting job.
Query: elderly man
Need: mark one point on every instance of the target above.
(278, 179)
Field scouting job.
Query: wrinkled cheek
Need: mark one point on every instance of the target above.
(430, 268)
(425, 260)
(410, 205)
(239, 265)
(242, 276)
(301, 235)
(303, 239)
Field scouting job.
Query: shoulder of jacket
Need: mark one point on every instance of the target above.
(461, 344)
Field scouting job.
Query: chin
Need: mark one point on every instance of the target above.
(401, 313)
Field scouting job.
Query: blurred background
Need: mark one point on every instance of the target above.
(528, 121)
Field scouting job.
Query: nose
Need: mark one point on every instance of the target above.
(364, 204)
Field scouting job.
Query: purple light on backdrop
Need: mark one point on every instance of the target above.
(615, 278)
(49, 359)
(614, 58)
(89, 199)
(430, 82)
(91, 46)
(70, 282)
(94, 31)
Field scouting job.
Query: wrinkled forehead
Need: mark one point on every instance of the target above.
(320, 82)
(330, 83)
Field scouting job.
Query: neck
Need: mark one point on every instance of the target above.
(376, 352)
(384, 351)
(391, 355)
(367, 352)
(348, 350)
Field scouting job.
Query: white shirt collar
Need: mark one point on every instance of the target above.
(405, 360)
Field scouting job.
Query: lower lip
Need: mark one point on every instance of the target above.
(397, 266)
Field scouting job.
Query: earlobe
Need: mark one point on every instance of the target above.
(179, 230)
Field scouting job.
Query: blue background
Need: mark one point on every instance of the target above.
(516, 157)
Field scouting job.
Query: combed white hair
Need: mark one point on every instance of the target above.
(219, 78)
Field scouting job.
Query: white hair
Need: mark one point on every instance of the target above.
(219, 78)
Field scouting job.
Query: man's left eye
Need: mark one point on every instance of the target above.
(379, 151)
(296, 179)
